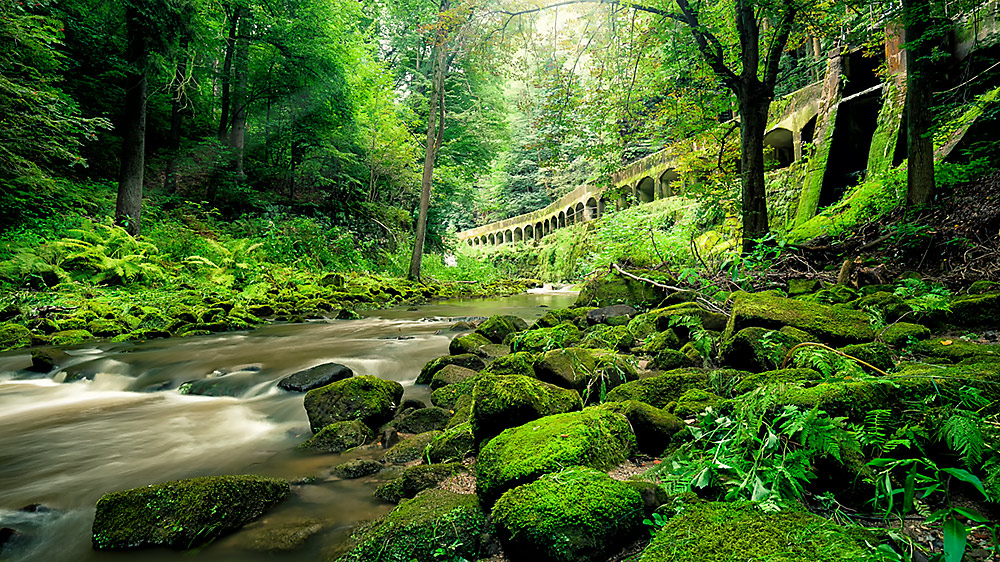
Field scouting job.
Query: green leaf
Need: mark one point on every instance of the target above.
(966, 476)
(972, 515)
(908, 488)
(954, 540)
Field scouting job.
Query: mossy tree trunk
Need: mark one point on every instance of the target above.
(128, 208)
(919, 141)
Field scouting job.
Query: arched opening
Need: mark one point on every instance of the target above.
(578, 213)
(529, 232)
(493, 240)
(570, 217)
(562, 220)
(553, 224)
(508, 237)
(591, 210)
(540, 230)
(602, 207)
(668, 184)
(518, 235)
(645, 191)
(469, 242)
(783, 150)
(483, 240)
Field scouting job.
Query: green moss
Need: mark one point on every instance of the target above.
(613, 289)
(834, 294)
(545, 339)
(502, 402)
(450, 374)
(455, 444)
(660, 341)
(802, 286)
(416, 479)
(358, 468)
(497, 328)
(473, 343)
(726, 532)
(751, 381)
(891, 306)
(417, 528)
(590, 372)
(833, 324)
(982, 287)
(13, 336)
(975, 311)
(410, 448)
(665, 317)
(954, 350)
(366, 398)
(575, 515)
(668, 359)
(694, 402)
(521, 363)
(467, 360)
(71, 337)
(876, 354)
(615, 338)
(660, 390)
(339, 437)
(902, 334)
(447, 396)
(183, 513)
(575, 316)
(594, 437)
(421, 420)
(654, 428)
(462, 411)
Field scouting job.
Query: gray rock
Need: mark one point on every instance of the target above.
(315, 377)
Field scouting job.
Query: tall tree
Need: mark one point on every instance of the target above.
(128, 208)
(919, 120)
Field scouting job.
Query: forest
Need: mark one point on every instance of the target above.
(491, 280)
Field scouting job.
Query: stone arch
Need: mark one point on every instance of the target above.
(781, 140)
(668, 184)
(539, 230)
(561, 221)
(570, 216)
(518, 235)
(548, 225)
(578, 212)
(492, 239)
(508, 237)
(529, 232)
(591, 209)
(602, 207)
(645, 190)
(483, 240)
(469, 242)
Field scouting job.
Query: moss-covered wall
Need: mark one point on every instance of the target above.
(883, 148)
(819, 152)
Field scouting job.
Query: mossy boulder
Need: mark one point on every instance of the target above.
(575, 515)
(661, 390)
(497, 328)
(615, 338)
(13, 336)
(315, 377)
(660, 341)
(591, 372)
(954, 350)
(982, 287)
(752, 381)
(462, 411)
(727, 531)
(834, 294)
(654, 428)
(450, 374)
(597, 438)
(891, 306)
(520, 363)
(693, 402)
(975, 311)
(467, 360)
(421, 420)
(281, 537)
(455, 444)
(417, 528)
(416, 479)
(502, 402)
(183, 513)
(46, 359)
(615, 289)
(545, 339)
(677, 316)
(669, 359)
(232, 384)
(477, 344)
(358, 468)
(876, 354)
(756, 349)
(448, 396)
(410, 448)
(834, 325)
(614, 315)
(902, 334)
(366, 398)
(339, 437)
(802, 286)
(576, 316)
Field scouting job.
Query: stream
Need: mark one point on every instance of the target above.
(123, 424)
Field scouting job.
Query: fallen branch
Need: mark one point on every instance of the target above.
(703, 301)
(791, 352)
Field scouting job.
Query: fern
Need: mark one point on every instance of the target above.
(828, 363)
(963, 434)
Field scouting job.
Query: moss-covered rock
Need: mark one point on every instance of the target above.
(661, 390)
(654, 428)
(669, 359)
(410, 449)
(888, 304)
(520, 363)
(421, 420)
(477, 344)
(954, 350)
(462, 411)
(660, 341)
(182, 513)
(727, 531)
(835, 325)
(834, 294)
(975, 311)
(417, 528)
(876, 354)
(752, 381)
(594, 437)
(497, 328)
(232, 384)
(454, 445)
(575, 515)
(614, 315)
(756, 349)
(339, 437)
(576, 316)
(450, 374)
(467, 360)
(615, 338)
(502, 402)
(366, 398)
(802, 286)
(279, 537)
(591, 372)
(13, 336)
(358, 468)
(614, 289)
(694, 401)
(315, 377)
(416, 479)
(902, 334)
(544, 339)
(982, 287)
(448, 396)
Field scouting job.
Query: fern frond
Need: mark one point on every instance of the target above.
(964, 435)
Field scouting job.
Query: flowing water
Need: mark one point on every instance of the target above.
(121, 423)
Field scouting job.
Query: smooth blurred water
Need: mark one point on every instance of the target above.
(123, 424)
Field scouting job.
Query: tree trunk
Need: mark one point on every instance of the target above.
(128, 208)
(227, 67)
(174, 139)
(919, 142)
(237, 139)
(433, 141)
(754, 103)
